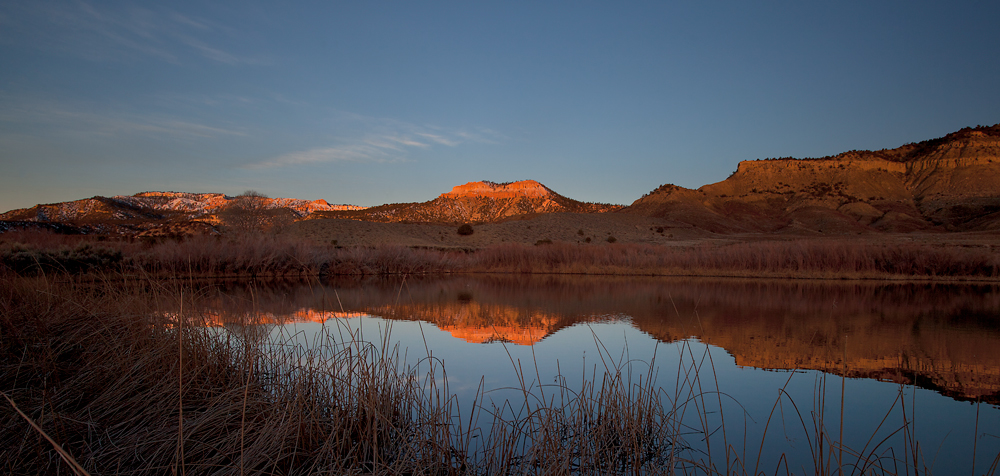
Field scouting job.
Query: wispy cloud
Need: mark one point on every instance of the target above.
(376, 148)
(439, 139)
(344, 153)
(201, 25)
(70, 119)
(98, 32)
(384, 140)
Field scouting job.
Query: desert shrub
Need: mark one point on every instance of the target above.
(246, 213)
(248, 254)
(29, 260)
(465, 229)
(612, 239)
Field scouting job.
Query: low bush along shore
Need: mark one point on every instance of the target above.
(273, 255)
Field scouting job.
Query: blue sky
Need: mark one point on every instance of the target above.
(378, 102)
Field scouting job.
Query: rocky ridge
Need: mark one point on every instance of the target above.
(477, 202)
(947, 184)
(154, 208)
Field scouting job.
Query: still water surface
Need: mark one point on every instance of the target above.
(771, 358)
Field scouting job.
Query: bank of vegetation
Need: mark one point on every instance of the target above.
(34, 253)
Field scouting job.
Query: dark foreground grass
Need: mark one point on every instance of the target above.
(97, 380)
(275, 255)
(125, 389)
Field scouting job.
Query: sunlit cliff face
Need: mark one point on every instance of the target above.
(524, 188)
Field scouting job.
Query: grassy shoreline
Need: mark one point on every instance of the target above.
(279, 256)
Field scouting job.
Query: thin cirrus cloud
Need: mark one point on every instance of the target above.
(98, 33)
(371, 148)
(62, 119)
(438, 139)
(378, 148)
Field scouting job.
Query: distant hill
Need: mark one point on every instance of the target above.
(476, 202)
(947, 184)
(186, 213)
(950, 184)
(174, 211)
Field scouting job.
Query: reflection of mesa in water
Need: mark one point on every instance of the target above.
(478, 323)
(506, 334)
(940, 337)
(210, 318)
(776, 331)
(956, 379)
(476, 334)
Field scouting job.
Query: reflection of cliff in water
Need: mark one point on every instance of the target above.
(937, 336)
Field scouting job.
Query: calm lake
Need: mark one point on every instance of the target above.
(907, 373)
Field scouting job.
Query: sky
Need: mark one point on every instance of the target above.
(369, 103)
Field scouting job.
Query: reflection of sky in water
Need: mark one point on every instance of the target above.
(944, 427)
(944, 337)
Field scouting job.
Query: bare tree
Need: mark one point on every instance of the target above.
(247, 213)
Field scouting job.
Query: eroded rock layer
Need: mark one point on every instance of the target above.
(951, 183)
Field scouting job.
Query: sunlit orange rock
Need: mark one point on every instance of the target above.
(524, 188)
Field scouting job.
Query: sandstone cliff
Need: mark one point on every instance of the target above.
(950, 183)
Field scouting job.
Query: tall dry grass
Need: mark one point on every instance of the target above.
(618, 421)
(279, 255)
(214, 256)
(100, 375)
(97, 373)
(806, 258)
(126, 389)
